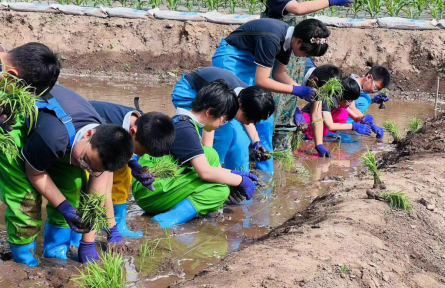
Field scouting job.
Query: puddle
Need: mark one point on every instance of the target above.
(204, 241)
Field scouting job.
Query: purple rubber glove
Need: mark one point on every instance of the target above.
(379, 99)
(361, 128)
(260, 151)
(378, 131)
(72, 217)
(114, 236)
(299, 118)
(246, 187)
(323, 151)
(304, 92)
(345, 3)
(87, 252)
(145, 179)
(368, 119)
(252, 177)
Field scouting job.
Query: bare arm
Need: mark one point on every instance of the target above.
(308, 7)
(109, 201)
(262, 78)
(354, 113)
(214, 174)
(252, 133)
(335, 126)
(207, 138)
(317, 122)
(279, 74)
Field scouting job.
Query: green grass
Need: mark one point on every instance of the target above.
(296, 140)
(396, 201)
(414, 124)
(93, 212)
(391, 128)
(108, 273)
(368, 160)
(332, 88)
(8, 147)
(165, 168)
(168, 239)
(147, 250)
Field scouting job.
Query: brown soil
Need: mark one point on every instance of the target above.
(380, 247)
(129, 48)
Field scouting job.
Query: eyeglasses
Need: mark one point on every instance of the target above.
(224, 121)
(85, 165)
(373, 85)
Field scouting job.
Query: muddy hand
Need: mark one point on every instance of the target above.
(146, 179)
(323, 151)
(260, 151)
(3, 118)
(115, 242)
(235, 195)
(247, 187)
(72, 217)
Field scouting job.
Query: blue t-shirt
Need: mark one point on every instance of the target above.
(276, 9)
(209, 74)
(49, 139)
(187, 144)
(113, 113)
(265, 42)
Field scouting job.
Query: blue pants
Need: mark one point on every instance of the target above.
(183, 94)
(241, 63)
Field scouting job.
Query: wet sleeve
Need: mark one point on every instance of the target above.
(266, 50)
(277, 8)
(187, 144)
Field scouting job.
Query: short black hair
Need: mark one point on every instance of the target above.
(256, 103)
(219, 97)
(351, 89)
(326, 72)
(380, 73)
(37, 65)
(156, 132)
(308, 29)
(114, 144)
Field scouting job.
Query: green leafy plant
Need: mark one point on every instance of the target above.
(391, 128)
(368, 160)
(252, 6)
(93, 212)
(139, 4)
(155, 3)
(109, 273)
(173, 4)
(232, 6)
(164, 168)
(285, 160)
(332, 88)
(355, 8)
(344, 269)
(394, 7)
(8, 146)
(414, 124)
(123, 3)
(168, 239)
(396, 200)
(296, 140)
(436, 8)
(147, 249)
(189, 4)
(373, 7)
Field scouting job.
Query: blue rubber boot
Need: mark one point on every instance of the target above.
(24, 254)
(120, 214)
(75, 239)
(181, 213)
(56, 241)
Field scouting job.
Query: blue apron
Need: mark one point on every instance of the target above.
(183, 94)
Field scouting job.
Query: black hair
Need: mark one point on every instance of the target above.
(156, 133)
(326, 72)
(380, 73)
(351, 89)
(308, 29)
(114, 144)
(219, 97)
(257, 103)
(37, 65)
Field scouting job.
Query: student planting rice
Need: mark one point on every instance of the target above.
(202, 185)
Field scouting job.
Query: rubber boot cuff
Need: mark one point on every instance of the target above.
(56, 241)
(120, 214)
(24, 254)
(181, 213)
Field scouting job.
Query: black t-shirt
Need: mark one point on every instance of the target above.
(112, 113)
(265, 48)
(209, 74)
(276, 9)
(49, 139)
(187, 144)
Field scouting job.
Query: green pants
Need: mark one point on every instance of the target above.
(23, 215)
(206, 197)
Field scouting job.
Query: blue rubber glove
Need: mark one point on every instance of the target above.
(323, 151)
(246, 187)
(299, 118)
(345, 3)
(361, 128)
(260, 151)
(115, 241)
(252, 177)
(368, 119)
(145, 179)
(304, 92)
(87, 252)
(379, 131)
(114, 236)
(379, 99)
(72, 217)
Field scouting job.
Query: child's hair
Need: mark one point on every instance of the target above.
(315, 30)
(351, 89)
(257, 103)
(156, 133)
(219, 97)
(114, 145)
(380, 73)
(37, 65)
(326, 72)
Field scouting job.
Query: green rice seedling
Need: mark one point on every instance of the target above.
(155, 3)
(285, 160)
(252, 6)
(78, 2)
(393, 8)
(436, 8)
(332, 88)
(355, 8)
(123, 3)
(391, 128)
(344, 269)
(232, 6)
(139, 4)
(173, 4)
(168, 239)
(189, 4)
(411, 10)
(164, 168)
(368, 160)
(414, 124)
(147, 249)
(296, 140)
(396, 200)
(8, 147)
(93, 212)
(108, 273)
(373, 7)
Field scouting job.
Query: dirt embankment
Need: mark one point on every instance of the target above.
(123, 47)
(379, 247)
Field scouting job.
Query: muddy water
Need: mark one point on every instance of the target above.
(204, 241)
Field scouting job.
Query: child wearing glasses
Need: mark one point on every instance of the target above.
(153, 134)
(200, 186)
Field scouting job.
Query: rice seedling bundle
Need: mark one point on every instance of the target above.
(93, 212)
(396, 200)
(414, 124)
(285, 160)
(368, 160)
(332, 88)
(391, 128)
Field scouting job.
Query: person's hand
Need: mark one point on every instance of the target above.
(379, 99)
(72, 217)
(379, 131)
(115, 241)
(87, 252)
(3, 118)
(304, 92)
(361, 128)
(260, 151)
(235, 195)
(146, 179)
(323, 151)
(368, 119)
(345, 3)
(252, 177)
(299, 118)
(247, 187)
